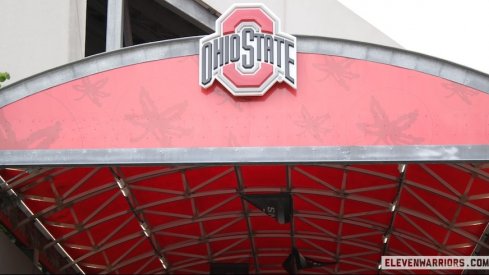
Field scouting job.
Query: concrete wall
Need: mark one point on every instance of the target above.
(327, 18)
(13, 260)
(36, 35)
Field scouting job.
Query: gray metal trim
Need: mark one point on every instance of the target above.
(232, 155)
(395, 57)
(98, 63)
(190, 46)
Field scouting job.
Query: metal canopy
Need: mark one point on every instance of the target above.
(125, 219)
(179, 209)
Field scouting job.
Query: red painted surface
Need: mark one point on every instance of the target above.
(91, 200)
(338, 102)
(247, 80)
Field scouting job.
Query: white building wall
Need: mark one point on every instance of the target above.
(327, 18)
(36, 35)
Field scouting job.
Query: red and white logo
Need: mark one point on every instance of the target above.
(248, 53)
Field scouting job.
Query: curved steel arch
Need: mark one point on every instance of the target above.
(189, 46)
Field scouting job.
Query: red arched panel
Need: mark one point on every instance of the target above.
(339, 102)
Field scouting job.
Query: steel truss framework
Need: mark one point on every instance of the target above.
(178, 219)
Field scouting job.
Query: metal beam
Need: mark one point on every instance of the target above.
(139, 215)
(288, 176)
(127, 28)
(75, 186)
(320, 228)
(244, 204)
(143, 266)
(67, 202)
(340, 218)
(114, 263)
(463, 198)
(439, 179)
(115, 231)
(394, 208)
(133, 180)
(115, 11)
(40, 180)
(236, 155)
(195, 211)
(39, 225)
(482, 239)
(178, 198)
(18, 180)
(211, 180)
(201, 16)
(316, 179)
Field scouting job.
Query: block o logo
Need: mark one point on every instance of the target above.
(248, 53)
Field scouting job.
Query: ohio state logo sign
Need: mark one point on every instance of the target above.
(248, 53)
